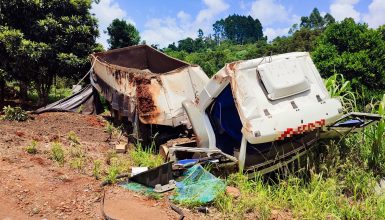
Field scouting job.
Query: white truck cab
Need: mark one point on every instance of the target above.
(270, 109)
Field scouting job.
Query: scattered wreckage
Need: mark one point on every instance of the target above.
(260, 114)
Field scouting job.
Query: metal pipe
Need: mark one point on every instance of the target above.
(242, 154)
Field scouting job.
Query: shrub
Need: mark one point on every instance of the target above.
(77, 163)
(109, 129)
(97, 169)
(31, 149)
(112, 173)
(57, 153)
(73, 138)
(14, 114)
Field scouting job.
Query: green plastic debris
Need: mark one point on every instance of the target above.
(136, 187)
(198, 187)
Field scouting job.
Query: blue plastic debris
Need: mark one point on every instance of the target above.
(350, 123)
(186, 162)
(199, 186)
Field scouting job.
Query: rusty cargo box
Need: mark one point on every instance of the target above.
(142, 82)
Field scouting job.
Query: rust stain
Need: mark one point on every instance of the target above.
(146, 96)
(232, 66)
(221, 77)
(118, 76)
(247, 126)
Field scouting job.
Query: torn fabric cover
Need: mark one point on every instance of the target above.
(86, 102)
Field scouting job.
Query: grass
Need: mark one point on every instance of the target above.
(122, 163)
(77, 152)
(110, 130)
(145, 157)
(32, 148)
(97, 169)
(318, 198)
(57, 153)
(77, 163)
(118, 164)
(73, 138)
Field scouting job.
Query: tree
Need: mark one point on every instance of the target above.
(238, 29)
(122, 34)
(219, 30)
(303, 37)
(316, 21)
(187, 45)
(354, 50)
(42, 40)
(200, 34)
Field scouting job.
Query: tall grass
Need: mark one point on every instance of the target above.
(339, 87)
(318, 198)
(145, 156)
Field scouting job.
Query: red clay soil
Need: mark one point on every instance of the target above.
(35, 187)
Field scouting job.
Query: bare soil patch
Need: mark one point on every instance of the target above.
(35, 187)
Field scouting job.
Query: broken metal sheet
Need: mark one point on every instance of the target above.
(86, 101)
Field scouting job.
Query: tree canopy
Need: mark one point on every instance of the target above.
(354, 50)
(40, 40)
(122, 34)
(316, 21)
(238, 29)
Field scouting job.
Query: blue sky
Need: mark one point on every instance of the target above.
(167, 21)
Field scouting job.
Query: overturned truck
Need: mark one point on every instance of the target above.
(260, 114)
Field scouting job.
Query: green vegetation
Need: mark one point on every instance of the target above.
(58, 91)
(118, 164)
(57, 153)
(96, 170)
(77, 152)
(32, 148)
(122, 34)
(339, 87)
(109, 129)
(77, 163)
(145, 156)
(318, 198)
(73, 138)
(42, 40)
(14, 114)
(344, 47)
(112, 173)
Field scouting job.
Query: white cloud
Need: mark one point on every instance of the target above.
(269, 12)
(183, 16)
(341, 9)
(105, 12)
(376, 15)
(272, 33)
(164, 31)
(275, 18)
(214, 7)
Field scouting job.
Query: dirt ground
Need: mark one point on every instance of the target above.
(35, 187)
